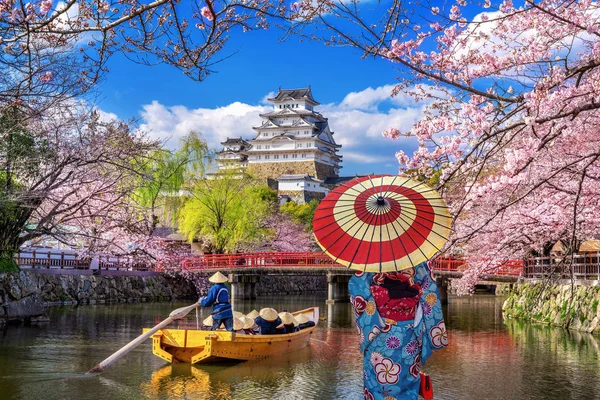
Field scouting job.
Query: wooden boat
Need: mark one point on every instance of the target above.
(198, 346)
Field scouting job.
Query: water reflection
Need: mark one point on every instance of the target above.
(488, 358)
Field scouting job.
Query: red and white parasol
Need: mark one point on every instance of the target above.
(382, 223)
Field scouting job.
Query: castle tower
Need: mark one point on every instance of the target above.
(293, 139)
(232, 155)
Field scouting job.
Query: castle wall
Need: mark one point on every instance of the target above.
(275, 169)
(302, 196)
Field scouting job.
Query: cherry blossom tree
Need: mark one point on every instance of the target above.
(68, 176)
(50, 48)
(509, 130)
(287, 235)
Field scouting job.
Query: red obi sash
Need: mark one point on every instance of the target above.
(396, 296)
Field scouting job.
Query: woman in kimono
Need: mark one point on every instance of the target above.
(399, 320)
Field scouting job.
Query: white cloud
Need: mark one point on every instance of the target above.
(370, 99)
(365, 158)
(170, 123)
(357, 122)
(265, 99)
(106, 116)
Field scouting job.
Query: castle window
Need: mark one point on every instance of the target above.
(294, 155)
(267, 157)
(259, 157)
(258, 147)
(276, 156)
(303, 155)
(285, 156)
(267, 146)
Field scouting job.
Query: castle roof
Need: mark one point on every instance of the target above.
(297, 177)
(232, 141)
(291, 113)
(294, 94)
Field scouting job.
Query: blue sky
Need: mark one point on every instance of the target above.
(354, 94)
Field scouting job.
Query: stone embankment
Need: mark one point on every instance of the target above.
(284, 285)
(558, 305)
(23, 295)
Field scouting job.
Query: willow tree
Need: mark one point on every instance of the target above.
(162, 176)
(227, 212)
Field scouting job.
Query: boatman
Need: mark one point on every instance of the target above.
(218, 298)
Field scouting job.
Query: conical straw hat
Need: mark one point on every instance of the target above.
(252, 314)
(268, 314)
(238, 314)
(248, 323)
(287, 318)
(238, 324)
(302, 319)
(208, 321)
(218, 278)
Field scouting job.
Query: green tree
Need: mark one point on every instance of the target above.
(228, 212)
(301, 213)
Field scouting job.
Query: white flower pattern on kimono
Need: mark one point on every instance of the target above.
(439, 335)
(374, 332)
(387, 372)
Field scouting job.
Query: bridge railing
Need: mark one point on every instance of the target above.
(258, 260)
(583, 266)
(458, 264)
(50, 260)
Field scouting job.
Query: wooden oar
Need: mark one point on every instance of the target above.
(175, 315)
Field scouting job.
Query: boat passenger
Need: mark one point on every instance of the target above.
(304, 322)
(237, 314)
(252, 314)
(250, 327)
(268, 321)
(207, 323)
(218, 297)
(289, 322)
(238, 325)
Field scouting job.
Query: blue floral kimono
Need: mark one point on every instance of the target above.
(394, 350)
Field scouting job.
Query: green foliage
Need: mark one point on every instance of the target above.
(301, 213)
(22, 154)
(8, 265)
(227, 212)
(595, 306)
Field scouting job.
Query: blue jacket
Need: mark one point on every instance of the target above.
(218, 297)
(306, 325)
(268, 328)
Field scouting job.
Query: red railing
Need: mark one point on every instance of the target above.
(319, 260)
(507, 267)
(258, 260)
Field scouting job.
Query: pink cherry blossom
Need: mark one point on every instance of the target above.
(45, 6)
(46, 77)
(391, 133)
(206, 13)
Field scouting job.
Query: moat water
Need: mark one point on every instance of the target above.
(488, 358)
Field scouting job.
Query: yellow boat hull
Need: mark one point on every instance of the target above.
(196, 346)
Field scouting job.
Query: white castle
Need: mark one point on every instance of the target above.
(293, 145)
